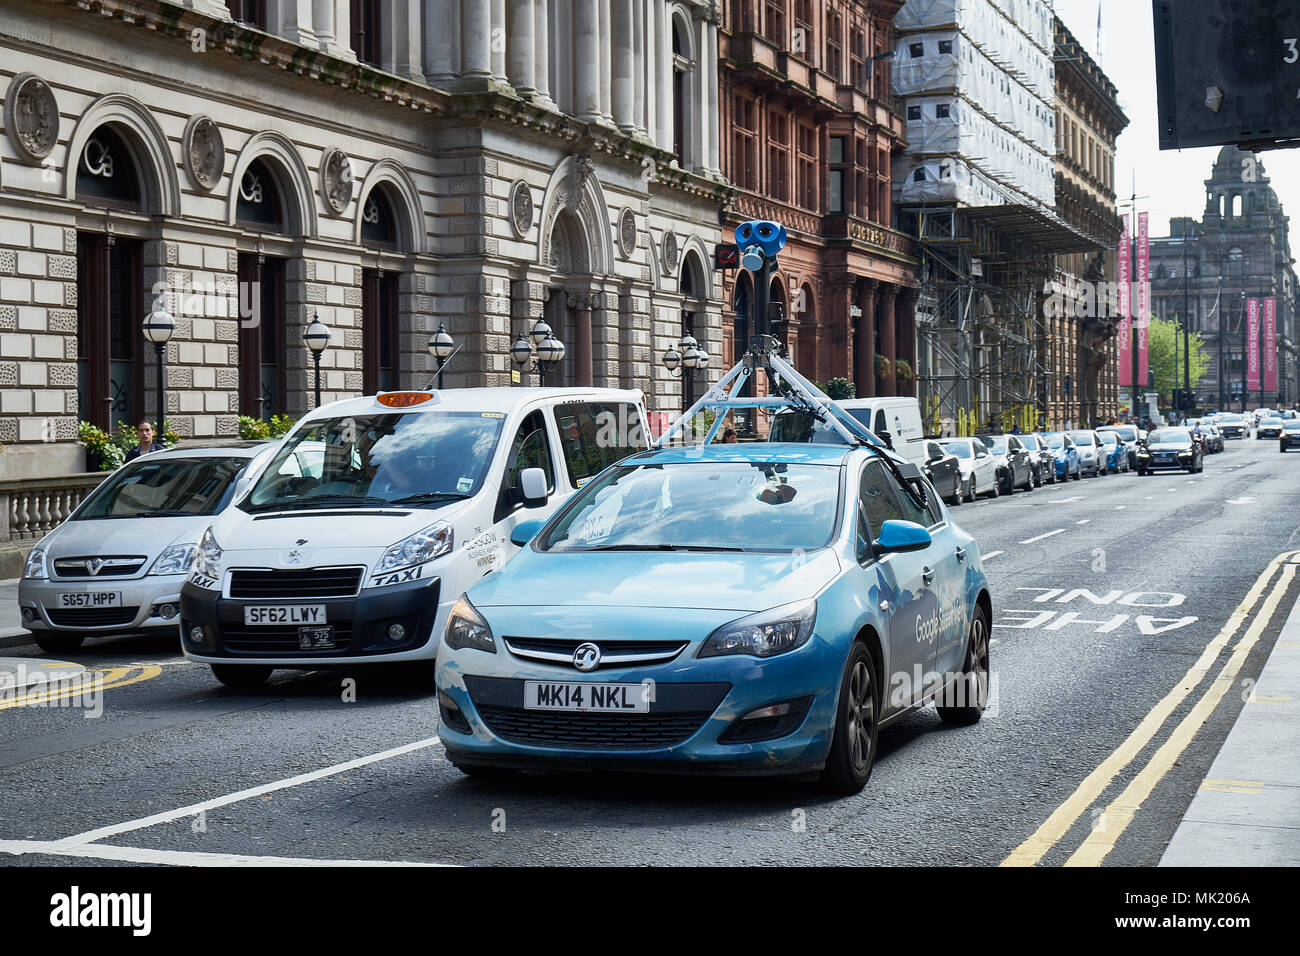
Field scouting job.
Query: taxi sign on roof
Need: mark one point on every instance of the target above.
(403, 399)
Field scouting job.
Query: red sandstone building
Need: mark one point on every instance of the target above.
(809, 131)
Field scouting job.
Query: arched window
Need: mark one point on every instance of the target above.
(260, 205)
(106, 171)
(694, 293)
(683, 104)
(1236, 206)
(380, 362)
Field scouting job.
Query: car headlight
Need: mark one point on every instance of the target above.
(765, 634)
(466, 628)
(178, 559)
(1144, 454)
(207, 559)
(35, 566)
(425, 545)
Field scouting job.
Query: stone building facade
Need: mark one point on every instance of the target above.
(1205, 270)
(1078, 340)
(388, 165)
(812, 130)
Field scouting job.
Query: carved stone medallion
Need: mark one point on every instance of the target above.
(670, 252)
(627, 233)
(521, 208)
(31, 117)
(336, 179)
(205, 154)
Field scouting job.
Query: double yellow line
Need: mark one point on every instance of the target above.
(88, 683)
(1119, 813)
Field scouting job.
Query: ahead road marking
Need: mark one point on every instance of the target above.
(1042, 536)
(991, 554)
(1063, 817)
(1124, 807)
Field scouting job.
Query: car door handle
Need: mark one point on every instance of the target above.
(961, 554)
(927, 575)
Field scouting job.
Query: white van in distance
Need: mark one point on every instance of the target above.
(895, 420)
(377, 513)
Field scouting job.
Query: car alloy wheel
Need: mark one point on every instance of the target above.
(962, 702)
(857, 726)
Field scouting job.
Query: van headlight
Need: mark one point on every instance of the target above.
(765, 634)
(207, 559)
(35, 566)
(425, 545)
(178, 559)
(467, 628)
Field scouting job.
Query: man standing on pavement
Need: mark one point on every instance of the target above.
(144, 432)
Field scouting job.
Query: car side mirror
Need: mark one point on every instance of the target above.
(525, 531)
(532, 487)
(900, 536)
(887, 438)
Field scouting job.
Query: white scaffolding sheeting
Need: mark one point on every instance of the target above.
(978, 80)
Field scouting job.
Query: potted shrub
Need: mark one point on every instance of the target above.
(902, 370)
(883, 366)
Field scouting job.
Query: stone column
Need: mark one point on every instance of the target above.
(475, 39)
(712, 160)
(542, 56)
(522, 49)
(906, 312)
(497, 43)
(586, 60)
(402, 55)
(887, 326)
(342, 45)
(622, 66)
(294, 22)
(650, 60)
(581, 304)
(662, 70)
(638, 66)
(441, 46)
(865, 377)
(605, 49)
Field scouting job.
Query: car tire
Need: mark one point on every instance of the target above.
(1029, 482)
(58, 643)
(972, 688)
(239, 675)
(993, 489)
(857, 726)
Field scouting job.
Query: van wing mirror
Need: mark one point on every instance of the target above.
(532, 487)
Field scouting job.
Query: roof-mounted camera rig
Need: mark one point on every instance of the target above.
(759, 242)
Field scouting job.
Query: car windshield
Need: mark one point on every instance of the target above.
(1054, 440)
(1271, 422)
(1109, 438)
(1082, 438)
(1292, 426)
(959, 448)
(996, 445)
(1163, 435)
(1030, 442)
(702, 506)
(411, 458)
(1125, 432)
(153, 488)
(1230, 418)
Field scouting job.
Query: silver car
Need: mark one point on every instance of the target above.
(117, 564)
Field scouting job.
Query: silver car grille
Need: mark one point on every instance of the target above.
(94, 566)
(612, 653)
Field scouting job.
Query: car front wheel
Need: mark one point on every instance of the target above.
(857, 725)
(58, 643)
(962, 702)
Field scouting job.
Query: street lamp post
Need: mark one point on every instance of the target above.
(317, 338)
(442, 347)
(686, 358)
(158, 328)
(542, 344)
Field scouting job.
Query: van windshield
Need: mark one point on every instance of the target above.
(799, 427)
(412, 459)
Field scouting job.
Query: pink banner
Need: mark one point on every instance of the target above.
(1143, 316)
(1270, 350)
(1125, 334)
(1252, 345)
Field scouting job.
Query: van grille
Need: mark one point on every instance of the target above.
(304, 583)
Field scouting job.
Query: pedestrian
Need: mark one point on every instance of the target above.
(730, 437)
(144, 432)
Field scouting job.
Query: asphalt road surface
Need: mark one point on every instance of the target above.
(1107, 593)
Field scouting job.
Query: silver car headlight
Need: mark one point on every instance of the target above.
(35, 566)
(178, 559)
(765, 634)
(467, 628)
(425, 545)
(207, 559)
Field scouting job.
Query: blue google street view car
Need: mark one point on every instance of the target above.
(754, 608)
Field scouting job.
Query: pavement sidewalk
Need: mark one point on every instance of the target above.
(1247, 811)
(12, 632)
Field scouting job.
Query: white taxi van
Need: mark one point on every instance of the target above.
(376, 514)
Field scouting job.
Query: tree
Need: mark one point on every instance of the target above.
(1165, 344)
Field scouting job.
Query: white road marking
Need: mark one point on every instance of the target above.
(130, 854)
(1120, 507)
(1243, 500)
(1064, 501)
(1149, 497)
(991, 554)
(103, 833)
(1083, 521)
(1042, 536)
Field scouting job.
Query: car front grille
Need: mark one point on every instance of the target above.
(613, 653)
(111, 567)
(278, 640)
(541, 728)
(304, 583)
(92, 616)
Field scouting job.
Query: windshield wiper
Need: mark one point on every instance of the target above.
(313, 501)
(430, 496)
(661, 547)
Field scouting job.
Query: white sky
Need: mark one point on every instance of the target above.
(1173, 180)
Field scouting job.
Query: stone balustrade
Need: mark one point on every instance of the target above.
(30, 507)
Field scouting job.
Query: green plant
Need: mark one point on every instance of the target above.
(883, 365)
(840, 388)
(903, 370)
(281, 425)
(253, 429)
(103, 448)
